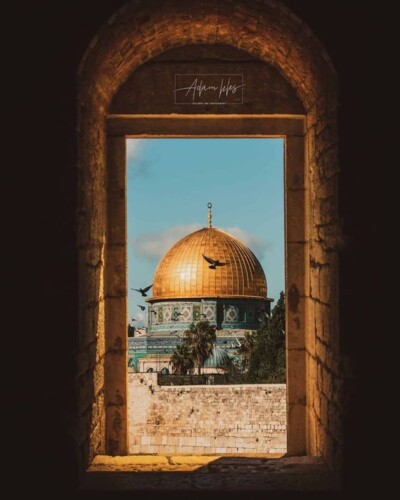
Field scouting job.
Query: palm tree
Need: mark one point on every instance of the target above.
(181, 360)
(200, 339)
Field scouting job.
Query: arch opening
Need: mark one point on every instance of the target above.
(271, 34)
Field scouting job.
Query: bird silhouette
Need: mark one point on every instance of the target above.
(142, 307)
(214, 263)
(142, 290)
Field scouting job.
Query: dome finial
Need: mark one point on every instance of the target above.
(209, 205)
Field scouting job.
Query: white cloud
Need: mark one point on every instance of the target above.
(137, 163)
(256, 244)
(133, 149)
(152, 246)
(140, 315)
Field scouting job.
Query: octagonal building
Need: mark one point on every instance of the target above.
(187, 290)
(232, 296)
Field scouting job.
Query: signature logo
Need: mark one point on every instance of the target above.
(208, 89)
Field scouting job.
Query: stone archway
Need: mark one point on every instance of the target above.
(270, 32)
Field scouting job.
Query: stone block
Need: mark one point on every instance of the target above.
(320, 351)
(116, 271)
(296, 435)
(324, 411)
(116, 205)
(295, 216)
(294, 173)
(327, 384)
(203, 441)
(296, 390)
(192, 431)
(296, 265)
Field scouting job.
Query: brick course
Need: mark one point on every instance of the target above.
(205, 419)
(137, 33)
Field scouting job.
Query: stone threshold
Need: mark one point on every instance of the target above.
(252, 472)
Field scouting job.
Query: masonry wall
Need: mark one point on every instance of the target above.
(205, 419)
(46, 163)
(270, 33)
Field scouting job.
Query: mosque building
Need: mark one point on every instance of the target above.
(206, 276)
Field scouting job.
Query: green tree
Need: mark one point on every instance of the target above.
(200, 340)
(181, 360)
(267, 358)
(245, 350)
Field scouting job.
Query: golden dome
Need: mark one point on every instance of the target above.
(184, 273)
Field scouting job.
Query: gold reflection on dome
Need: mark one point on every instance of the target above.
(183, 272)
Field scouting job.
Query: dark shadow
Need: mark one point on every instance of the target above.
(220, 315)
(286, 476)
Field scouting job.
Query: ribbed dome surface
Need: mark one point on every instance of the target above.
(184, 273)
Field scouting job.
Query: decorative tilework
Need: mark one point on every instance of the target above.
(196, 313)
(167, 314)
(175, 314)
(186, 314)
(231, 314)
(209, 311)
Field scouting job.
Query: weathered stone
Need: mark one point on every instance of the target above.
(144, 30)
(214, 426)
(295, 216)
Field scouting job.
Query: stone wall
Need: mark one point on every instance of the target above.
(272, 34)
(205, 419)
(326, 370)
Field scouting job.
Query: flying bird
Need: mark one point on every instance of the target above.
(142, 307)
(214, 263)
(142, 290)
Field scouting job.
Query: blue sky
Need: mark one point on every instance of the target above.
(170, 182)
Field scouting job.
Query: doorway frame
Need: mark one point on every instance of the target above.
(292, 128)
